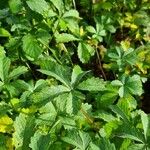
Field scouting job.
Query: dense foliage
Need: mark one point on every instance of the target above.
(72, 74)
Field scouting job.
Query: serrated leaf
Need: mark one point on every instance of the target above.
(79, 139)
(76, 71)
(134, 85)
(4, 68)
(47, 94)
(40, 141)
(145, 123)
(106, 145)
(77, 75)
(24, 129)
(39, 6)
(85, 51)
(64, 103)
(31, 46)
(65, 37)
(17, 72)
(57, 71)
(68, 103)
(119, 112)
(92, 84)
(127, 130)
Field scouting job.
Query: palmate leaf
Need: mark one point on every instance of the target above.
(40, 141)
(39, 6)
(24, 129)
(78, 139)
(92, 84)
(129, 85)
(31, 47)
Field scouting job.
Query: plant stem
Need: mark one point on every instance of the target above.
(74, 4)
(100, 64)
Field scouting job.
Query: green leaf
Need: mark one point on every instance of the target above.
(65, 37)
(64, 103)
(145, 123)
(4, 68)
(4, 33)
(92, 84)
(77, 75)
(47, 94)
(116, 83)
(59, 5)
(119, 112)
(71, 14)
(31, 46)
(107, 99)
(91, 29)
(17, 72)
(134, 85)
(24, 128)
(39, 6)
(15, 5)
(85, 51)
(57, 71)
(2, 52)
(43, 36)
(56, 76)
(131, 133)
(127, 130)
(68, 103)
(40, 141)
(106, 145)
(79, 139)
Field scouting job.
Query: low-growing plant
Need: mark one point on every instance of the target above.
(72, 74)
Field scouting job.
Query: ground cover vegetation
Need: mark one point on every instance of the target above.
(74, 74)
